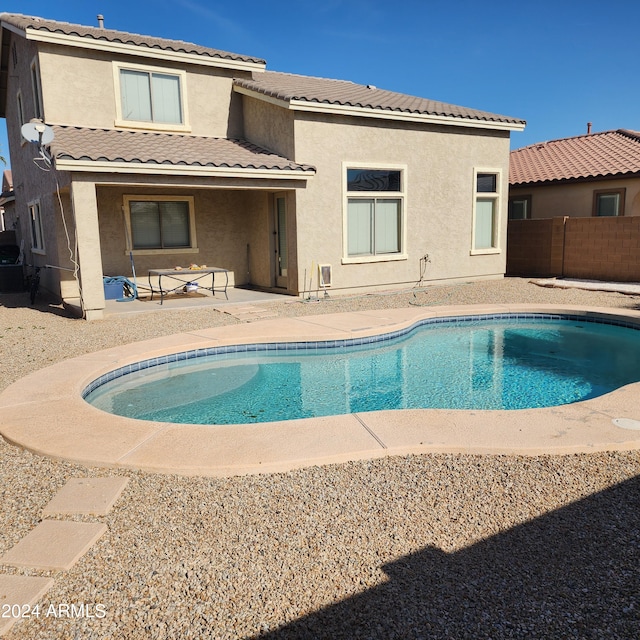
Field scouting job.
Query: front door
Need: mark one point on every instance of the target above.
(280, 236)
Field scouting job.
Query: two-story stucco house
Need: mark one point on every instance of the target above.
(169, 153)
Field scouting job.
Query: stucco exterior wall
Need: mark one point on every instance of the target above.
(230, 226)
(439, 196)
(31, 183)
(576, 199)
(269, 126)
(213, 108)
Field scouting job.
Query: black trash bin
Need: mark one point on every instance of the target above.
(9, 254)
(11, 273)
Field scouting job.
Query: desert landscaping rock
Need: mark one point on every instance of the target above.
(421, 546)
(18, 596)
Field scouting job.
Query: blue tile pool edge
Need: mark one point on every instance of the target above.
(346, 342)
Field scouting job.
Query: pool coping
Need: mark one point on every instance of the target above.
(45, 413)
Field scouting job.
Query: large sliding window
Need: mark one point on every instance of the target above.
(374, 213)
(150, 95)
(160, 223)
(486, 212)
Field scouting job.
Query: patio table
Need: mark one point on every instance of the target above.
(188, 276)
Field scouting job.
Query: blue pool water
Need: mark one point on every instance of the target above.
(482, 364)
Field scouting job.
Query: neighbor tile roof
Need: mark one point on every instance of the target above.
(110, 35)
(594, 155)
(140, 147)
(288, 87)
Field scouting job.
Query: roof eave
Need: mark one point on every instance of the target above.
(68, 164)
(367, 112)
(424, 118)
(63, 39)
(596, 178)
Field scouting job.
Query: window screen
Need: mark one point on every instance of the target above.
(160, 225)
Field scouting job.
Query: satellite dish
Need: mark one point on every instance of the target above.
(37, 131)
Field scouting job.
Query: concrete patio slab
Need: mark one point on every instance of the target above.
(54, 545)
(89, 496)
(18, 596)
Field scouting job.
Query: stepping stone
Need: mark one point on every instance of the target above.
(249, 312)
(20, 593)
(54, 544)
(88, 496)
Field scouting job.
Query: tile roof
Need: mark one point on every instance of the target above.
(26, 23)
(140, 147)
(290, 87)
(609, 153)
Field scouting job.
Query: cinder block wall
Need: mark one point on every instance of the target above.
(586, 248)
(602, 248)
(530, 246)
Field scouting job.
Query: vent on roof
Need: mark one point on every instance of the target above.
(100, 21)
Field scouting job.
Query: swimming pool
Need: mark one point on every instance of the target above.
(499, 361)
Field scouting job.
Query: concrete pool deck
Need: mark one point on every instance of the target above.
(45, 413)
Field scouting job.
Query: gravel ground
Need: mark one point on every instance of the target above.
(430, 546)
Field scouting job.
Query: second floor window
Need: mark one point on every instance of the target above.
(35, 87)
(150, 96)
(20, 106)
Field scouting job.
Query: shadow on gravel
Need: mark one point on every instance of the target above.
(44, 303)
(573, 573)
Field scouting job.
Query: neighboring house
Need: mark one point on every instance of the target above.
(7, 199)
(597, 174)
(173, 153)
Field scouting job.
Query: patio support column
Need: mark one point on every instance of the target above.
(85, 211)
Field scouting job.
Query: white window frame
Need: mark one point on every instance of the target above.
(619, 195)
(36, 88)
(380, 195)
(497, 211)
(120, 121)
(36, 229)
(526, 199)
(193, 248)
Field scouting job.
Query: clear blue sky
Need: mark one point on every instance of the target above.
(557, 64)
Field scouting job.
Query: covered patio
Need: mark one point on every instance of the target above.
(138, 202)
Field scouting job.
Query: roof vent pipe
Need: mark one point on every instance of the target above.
(100, 21)
(589, 128)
